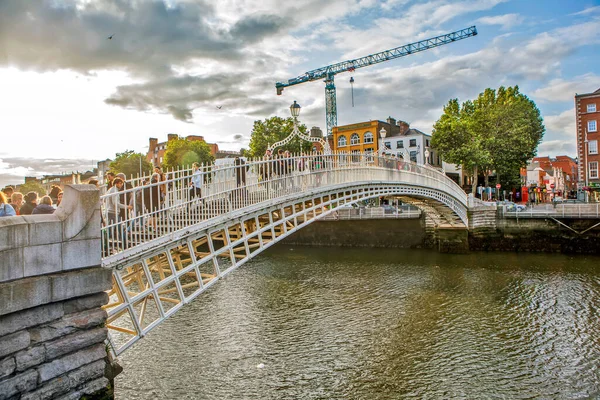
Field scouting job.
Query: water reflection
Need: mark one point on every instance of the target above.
(380, 324)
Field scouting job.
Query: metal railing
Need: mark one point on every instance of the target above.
(158, 206)
(584, 211)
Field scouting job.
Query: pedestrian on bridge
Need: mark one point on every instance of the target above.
(6, 210)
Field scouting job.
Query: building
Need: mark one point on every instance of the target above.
(400, 139)
(156, 150)
(587, 112)
(567, 165)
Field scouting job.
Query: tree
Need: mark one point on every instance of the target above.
(33, 186)
(130, 163)
(499, 131)
(182, 153)
(272, 130)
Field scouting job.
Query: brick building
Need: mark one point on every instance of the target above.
(156, 150)
(587, 111)
(566, 165)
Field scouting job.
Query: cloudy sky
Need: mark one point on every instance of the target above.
(69, 96)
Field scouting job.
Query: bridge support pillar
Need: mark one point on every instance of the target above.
(52, 289)
(452, 240)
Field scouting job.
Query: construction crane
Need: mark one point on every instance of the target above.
(330, 71)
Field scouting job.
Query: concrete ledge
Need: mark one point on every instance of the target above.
(31, 292)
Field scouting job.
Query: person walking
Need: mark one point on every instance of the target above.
(196, 182)
(17, 202)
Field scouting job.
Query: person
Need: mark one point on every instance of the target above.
(6, 209)
(31, 202)
(93, 182)
(110, 178)
(8, 191)
(196, 182)
(45, 206)
(124, 198)
(113, 208)
(17, 201)
(59, 197)
(241, 193)
(54, 191)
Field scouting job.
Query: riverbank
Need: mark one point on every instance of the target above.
(505, 235)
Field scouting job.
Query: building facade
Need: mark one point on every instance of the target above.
(400, 140)
(156, 150)
(587, 111)
(566, 166)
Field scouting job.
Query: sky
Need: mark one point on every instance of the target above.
(69, 96)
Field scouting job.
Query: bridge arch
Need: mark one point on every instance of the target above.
(153, 282)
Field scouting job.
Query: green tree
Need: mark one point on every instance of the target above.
(130, 163)
(499, 131)
(182, 153)
(272, 130)
(33, 186)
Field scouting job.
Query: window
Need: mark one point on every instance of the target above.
(388, 145)
(368, 137)
(342, 141)
(593, 167)
(413, 156)
(399, 144)
(591, 126)
(426, 142)
(591, 108)
(413, 142)
(593, 147)
(355, 139)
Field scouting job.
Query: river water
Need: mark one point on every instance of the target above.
(340, 323)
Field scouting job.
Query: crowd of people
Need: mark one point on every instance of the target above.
(14, 203)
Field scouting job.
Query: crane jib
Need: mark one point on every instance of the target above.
(350, 65)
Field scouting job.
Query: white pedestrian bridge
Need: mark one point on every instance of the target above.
(169, 242)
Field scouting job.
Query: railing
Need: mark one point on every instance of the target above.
(137, 215)
(585, 211)
(372, 213)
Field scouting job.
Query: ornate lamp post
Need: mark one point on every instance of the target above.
(295, 111)
(382, 135)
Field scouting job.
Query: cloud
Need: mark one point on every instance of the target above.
(587, 11)
(563, 123)
(565, 90)
(554, 148)
(13, 170)
(506, 21)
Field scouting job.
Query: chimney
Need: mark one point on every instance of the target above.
(171, 136)
(391, 121)
(404, 127)
(315, 131)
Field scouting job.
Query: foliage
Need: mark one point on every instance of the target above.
(499, 131)
(129, 163)
(272, 130)
(33, 186)
(182, 153)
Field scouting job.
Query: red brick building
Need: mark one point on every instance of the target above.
(566, 164)
(587, 110)
(156, 151)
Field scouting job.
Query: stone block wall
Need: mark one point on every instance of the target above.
(52, 289)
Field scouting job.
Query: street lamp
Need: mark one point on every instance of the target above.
(382, 148)
(295, 109)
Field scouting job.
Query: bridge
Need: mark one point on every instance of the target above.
(167, 242)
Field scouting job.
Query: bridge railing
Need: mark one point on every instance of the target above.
(135, 216)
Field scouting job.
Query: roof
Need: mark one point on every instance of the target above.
(410, 132)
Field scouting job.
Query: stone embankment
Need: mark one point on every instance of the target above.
(52, 289)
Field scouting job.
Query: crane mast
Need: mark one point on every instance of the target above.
(327, 73)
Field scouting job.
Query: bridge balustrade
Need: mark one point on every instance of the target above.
(151, 210)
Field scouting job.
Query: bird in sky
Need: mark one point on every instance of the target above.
(219, 107)
(111, 36)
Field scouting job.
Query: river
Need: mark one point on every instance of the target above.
(347, 323)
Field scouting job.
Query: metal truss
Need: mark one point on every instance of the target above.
(154, 283)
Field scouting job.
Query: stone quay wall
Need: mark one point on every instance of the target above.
(52, 289)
